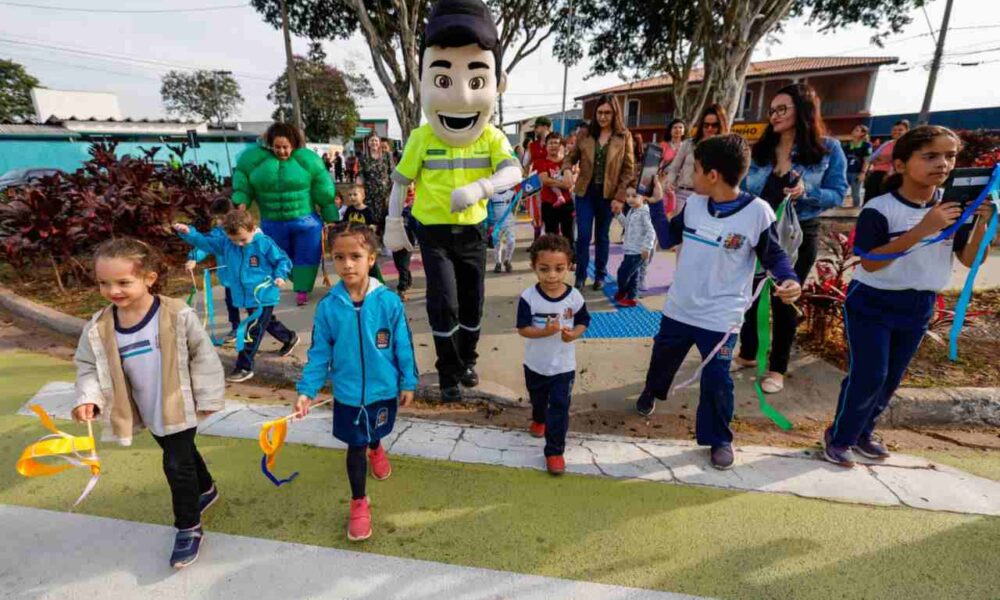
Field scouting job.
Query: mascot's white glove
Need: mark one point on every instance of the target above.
(395, 237)
(467, 195)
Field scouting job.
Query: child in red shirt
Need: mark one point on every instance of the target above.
(557, 203)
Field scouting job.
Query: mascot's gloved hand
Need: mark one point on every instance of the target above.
(467, 195)
(395, 235)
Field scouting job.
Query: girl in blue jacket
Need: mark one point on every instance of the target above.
(361, 342)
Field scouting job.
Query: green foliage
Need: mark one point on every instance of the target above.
(15, 92)
(329, 97)
(210, 95)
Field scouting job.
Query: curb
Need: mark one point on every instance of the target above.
(272, 369)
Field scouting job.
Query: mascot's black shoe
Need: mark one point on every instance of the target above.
(451, 394)
(470, 378)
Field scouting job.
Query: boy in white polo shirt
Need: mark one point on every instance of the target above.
(551, 315)
(725, 231)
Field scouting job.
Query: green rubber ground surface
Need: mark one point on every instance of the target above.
(676, 538)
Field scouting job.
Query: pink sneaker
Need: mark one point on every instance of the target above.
(359, 523)
(381, 469)
(301, 298)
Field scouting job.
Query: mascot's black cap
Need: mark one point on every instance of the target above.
(454, 23)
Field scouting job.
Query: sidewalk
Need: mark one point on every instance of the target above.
(901, 481)
(113, 559)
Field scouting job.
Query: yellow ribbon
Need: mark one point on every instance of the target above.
(272, 438)
(60, 445)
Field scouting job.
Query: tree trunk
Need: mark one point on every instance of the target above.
(55, 269)
(293, 83)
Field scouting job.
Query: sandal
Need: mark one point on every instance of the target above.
(741, 363)
(769, 385)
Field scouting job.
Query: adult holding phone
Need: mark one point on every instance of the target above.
(607, 168)
(793, 159)
(712, 121)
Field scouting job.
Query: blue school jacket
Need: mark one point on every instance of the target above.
(198, 255)
(248, 266)
(366, 351)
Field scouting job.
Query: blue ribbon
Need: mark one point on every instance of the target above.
(241, 331)
(277, 482)
(962, 306)
(503, 218)
(990, 188)
(210, 309)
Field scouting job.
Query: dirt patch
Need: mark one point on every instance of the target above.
(978, 347)
(82, 301)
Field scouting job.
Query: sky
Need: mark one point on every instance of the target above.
(127, 54)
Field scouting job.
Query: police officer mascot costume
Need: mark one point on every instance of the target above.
(457, 160)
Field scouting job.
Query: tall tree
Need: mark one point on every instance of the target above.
(640, 38)
(393, 30)
(210, 95)
(329, 96)
(15, 92)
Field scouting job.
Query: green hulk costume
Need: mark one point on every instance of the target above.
(287, 192)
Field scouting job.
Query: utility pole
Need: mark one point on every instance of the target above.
(925, 109)
(293, 84)
(222, 120)
(562, 125)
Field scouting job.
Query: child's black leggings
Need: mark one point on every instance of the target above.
(357, 468)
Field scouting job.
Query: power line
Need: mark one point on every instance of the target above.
(118, 11)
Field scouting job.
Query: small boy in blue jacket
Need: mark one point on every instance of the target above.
(361, 342)
(258, 268)
(219, 207)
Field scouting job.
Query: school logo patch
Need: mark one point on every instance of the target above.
(733, 241)
(725, 352)
(568, 313)
(381, 418)
(254, 261)
(382, 339)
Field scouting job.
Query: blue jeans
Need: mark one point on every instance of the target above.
(590, 208)
(715, 404)
(550, 397)
(628, 275)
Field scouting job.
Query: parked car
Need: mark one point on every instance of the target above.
(20, 177)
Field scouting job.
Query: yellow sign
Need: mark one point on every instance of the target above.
(750, 131)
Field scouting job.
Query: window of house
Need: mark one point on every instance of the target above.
(747, 112)
(632, 113)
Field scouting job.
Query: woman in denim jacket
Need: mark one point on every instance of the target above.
(793, 158)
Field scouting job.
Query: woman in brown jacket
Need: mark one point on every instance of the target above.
(607, 168)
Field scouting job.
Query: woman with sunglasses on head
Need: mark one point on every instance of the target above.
(792, 159)
(607, 168)
(713, 121)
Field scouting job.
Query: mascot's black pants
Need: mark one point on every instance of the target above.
(454, 260)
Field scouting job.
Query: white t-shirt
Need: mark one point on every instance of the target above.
(924, 268)
(713, 282)
(139, 351)
(551, 355)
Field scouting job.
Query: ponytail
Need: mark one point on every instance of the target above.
(910, 143)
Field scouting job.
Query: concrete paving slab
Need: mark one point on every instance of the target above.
(912, 481)
(113, 559)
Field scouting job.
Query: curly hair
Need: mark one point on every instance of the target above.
(286, 130)
(550, 242)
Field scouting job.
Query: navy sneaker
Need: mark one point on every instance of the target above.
(722, 457)
(288, 346)
(872, 448)
(206, 500)
(838, 455)
(646, 404)
(187, 545)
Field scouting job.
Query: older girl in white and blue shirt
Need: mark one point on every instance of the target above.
(891, 299)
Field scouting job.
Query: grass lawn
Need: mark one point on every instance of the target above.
(677, 538)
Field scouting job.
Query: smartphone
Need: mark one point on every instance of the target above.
(650, 165)
(965, 185)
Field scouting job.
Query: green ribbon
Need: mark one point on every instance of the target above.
(764, 344)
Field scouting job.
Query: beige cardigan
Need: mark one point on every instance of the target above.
(193, 378)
